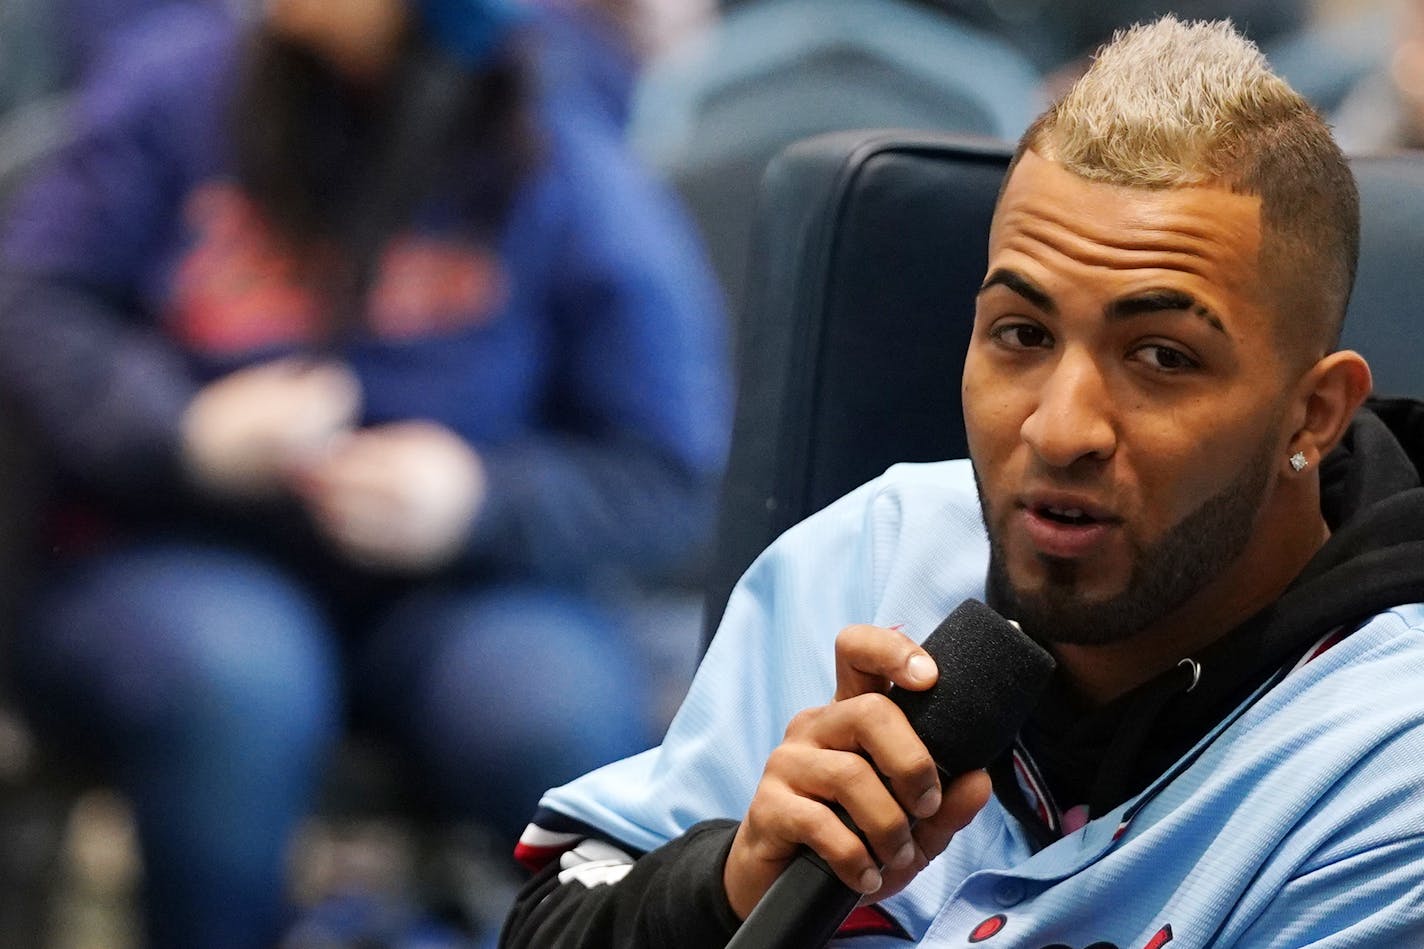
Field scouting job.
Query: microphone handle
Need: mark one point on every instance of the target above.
(812, 906)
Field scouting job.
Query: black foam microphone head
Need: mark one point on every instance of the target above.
(990, 677)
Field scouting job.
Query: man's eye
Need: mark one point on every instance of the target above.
(1165, 358)
(1022, 336)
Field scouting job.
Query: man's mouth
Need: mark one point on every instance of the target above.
(1065, 529)
(1066, 515)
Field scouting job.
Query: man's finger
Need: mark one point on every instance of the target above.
(964, 796)
(872, 658)
(872, 725)
(849, 780)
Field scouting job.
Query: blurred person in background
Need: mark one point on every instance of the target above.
(82, 28)
(599, 47)
(46, 45)
(366, 373)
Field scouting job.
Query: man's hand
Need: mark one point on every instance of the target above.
(401, 496)
(244, 431)
(823, 758)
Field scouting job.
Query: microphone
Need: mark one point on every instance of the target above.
(990, 677)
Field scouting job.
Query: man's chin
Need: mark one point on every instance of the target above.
(1078, 621)
(1068, 584)
(1055, 612)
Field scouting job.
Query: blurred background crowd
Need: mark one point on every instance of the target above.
(367, 370)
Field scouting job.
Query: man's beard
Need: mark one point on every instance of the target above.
(1195, 551)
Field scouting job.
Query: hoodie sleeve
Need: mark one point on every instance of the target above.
(627, 470)
(597, 895)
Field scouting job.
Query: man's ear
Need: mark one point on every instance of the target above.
(1330, 392)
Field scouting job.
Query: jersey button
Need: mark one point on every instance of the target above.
(1009, 892)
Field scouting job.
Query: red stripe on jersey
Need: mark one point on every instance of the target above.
(1164, 936)
(1037, 799)
(870, 921)
(1324, 645)
(534, 858)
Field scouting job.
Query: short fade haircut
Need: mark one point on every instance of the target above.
(1173, 103)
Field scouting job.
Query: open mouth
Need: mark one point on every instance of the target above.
(1065, 515)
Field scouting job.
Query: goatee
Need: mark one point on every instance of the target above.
(1196, 550)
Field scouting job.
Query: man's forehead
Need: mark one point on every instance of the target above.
(1193, 224)
(1133, 247)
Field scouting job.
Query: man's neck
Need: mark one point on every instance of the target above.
(1099, 674)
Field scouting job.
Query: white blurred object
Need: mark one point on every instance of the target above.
(661, 26)
(96, 905)
(402, 496)
(244, 432)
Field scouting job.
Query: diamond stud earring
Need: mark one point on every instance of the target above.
(1298, 462)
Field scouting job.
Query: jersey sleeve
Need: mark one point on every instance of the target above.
(773, 655)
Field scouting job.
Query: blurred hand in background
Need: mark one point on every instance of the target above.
(401, 496)
(244, 433)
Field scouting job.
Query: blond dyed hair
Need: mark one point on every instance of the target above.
(1173, 104)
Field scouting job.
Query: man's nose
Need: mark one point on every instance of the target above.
(1073, 418)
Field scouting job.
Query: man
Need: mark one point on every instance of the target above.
(1228, 753)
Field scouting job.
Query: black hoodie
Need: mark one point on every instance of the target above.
(1373, 502)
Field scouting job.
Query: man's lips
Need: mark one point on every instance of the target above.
(1065, 526)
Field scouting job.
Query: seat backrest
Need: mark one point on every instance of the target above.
(868, 251)
(774, 72)
(1385, 321)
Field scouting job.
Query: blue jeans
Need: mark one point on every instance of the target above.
(212, 683)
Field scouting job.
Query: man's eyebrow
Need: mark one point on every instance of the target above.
(1018, 283)
(1161, 301)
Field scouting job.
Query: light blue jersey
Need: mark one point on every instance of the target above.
(1298, 821)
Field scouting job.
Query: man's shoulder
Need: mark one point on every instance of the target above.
(1343, 729)
(1386, 648)
(907, 490)
(1371, 677)
(947, 482)
(910, 503)
(1353, 692)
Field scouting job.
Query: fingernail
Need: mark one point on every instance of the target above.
(904, 856)
(928, 804)
(921, 668)
(897, 627)
(870, 882)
